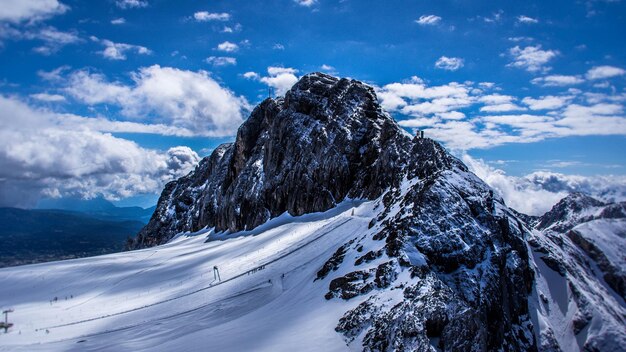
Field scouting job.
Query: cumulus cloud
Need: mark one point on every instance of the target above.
(467, 116)
(537, 192)
(449, 63)
(179, 98)
(130, 4)
(51, 38)
(306, 3)
(16, 11)
(45, 154)
(415, 98)
(120, 20)
(557, 80)
(526, 20)
(531, 58)
(602, 72)
(549, 102)
(251, 75)
(221, 60)
(279, 78)
(118, 51)
(204, 16)
(50, 98)
(428, 20)
(227, 47)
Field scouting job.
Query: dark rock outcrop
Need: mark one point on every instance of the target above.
(326, 140)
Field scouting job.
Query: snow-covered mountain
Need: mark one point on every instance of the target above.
(332, 229)
(579, 252)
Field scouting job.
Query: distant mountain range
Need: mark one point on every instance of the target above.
(67, 228)
(99, 208)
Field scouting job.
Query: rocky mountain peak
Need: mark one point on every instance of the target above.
(569, 211)
(327, 139)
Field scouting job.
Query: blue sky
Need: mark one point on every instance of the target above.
(114, 98)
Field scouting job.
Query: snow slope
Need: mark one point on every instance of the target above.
(165, 298)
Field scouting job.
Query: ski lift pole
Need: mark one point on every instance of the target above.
(216, 273)
(6, 325)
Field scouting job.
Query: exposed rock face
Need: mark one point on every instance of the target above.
(327, 139)
(469, 272)
(444, 265)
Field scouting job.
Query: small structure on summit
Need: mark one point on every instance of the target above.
(419, 134)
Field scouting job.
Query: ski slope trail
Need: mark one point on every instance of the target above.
(166, 298)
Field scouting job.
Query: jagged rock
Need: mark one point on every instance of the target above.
(334, 261)
(368, 257)
(351, 285)
(327, 139)
(568, 212)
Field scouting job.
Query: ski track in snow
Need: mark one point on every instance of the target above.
(150, 299)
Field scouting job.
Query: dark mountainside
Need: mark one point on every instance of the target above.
(35, 236)
(326, 140)
(455, 252)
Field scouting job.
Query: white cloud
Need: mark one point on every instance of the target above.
(531, 58)
(493, 99)
(449, 63)
(549, 102)
(441, 109)
(502, 108)
(43, 153)
(428, 20)
(451, 115)
(526, 19)
(602, 72)
(227, 47)
(280, 78)
(232, 29)
(328, 68)
(120, 20)
(557, 80)
(521, 39)
(182, 99)
(54, 75)
(495, 17)
(518, 194)
(306, 3)
(204, 16)
(221, 60)
(278, 46)
(130, 4)
(50, 98)
(30, 10)
(251, 75)
(53, 39)
(536, 193)
(416, 99)
(117, 51)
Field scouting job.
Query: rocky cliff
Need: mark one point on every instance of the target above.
(326, 140)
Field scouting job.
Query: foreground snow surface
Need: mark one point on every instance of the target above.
(166, 298)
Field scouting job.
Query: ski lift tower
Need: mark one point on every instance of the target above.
(216, 274)
(5, 324)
